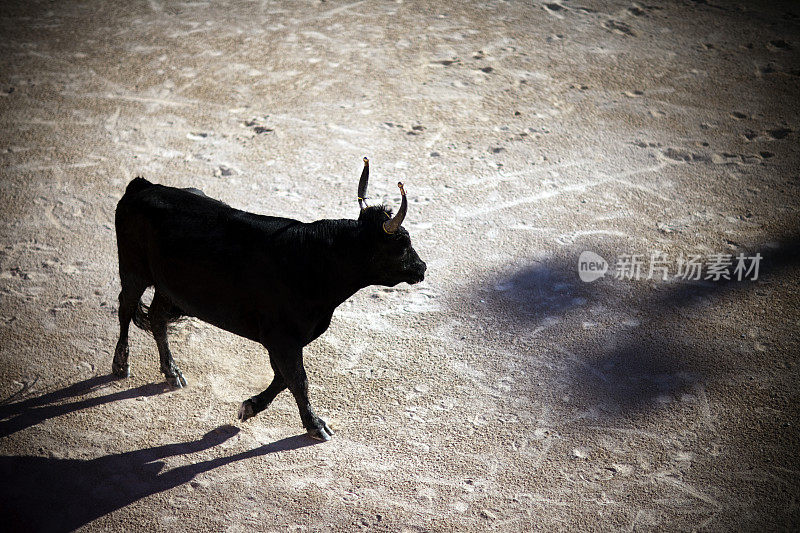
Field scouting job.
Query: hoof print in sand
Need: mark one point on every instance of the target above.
(619, 27)
(257, 128)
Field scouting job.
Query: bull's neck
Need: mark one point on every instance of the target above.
(342, 258)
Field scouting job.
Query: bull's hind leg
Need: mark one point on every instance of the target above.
(158, 315)
(128, 300)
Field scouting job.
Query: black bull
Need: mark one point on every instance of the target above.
(276, 281)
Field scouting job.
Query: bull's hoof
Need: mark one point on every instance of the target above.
(120, 371)
(246, 410)
(321, 431)
(177, 381)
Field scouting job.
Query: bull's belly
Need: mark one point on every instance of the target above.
(261, 307)
(230, 312)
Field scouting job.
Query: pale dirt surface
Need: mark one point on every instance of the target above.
(502, 392)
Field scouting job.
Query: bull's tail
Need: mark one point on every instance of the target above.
(141, 317)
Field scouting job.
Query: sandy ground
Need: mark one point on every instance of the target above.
(501, 393)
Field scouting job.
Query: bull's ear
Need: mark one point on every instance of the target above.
(362, 185)
(391, 226)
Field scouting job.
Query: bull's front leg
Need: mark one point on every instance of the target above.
(289, 362)
(252, 406)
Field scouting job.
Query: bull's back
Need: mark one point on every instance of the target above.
(208, 259)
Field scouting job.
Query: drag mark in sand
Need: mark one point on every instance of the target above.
(705, 409)
(570, 238)
(39, 168)
(581, 187)
(537, 463)
(509, 176)
(332, 12)
(685, 487)
(629, 431)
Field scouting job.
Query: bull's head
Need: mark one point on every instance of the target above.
(394, 259)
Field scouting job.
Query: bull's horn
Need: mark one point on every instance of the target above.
(391, 226)
(362, 185)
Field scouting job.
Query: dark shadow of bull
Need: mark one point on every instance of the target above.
(50, 494)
